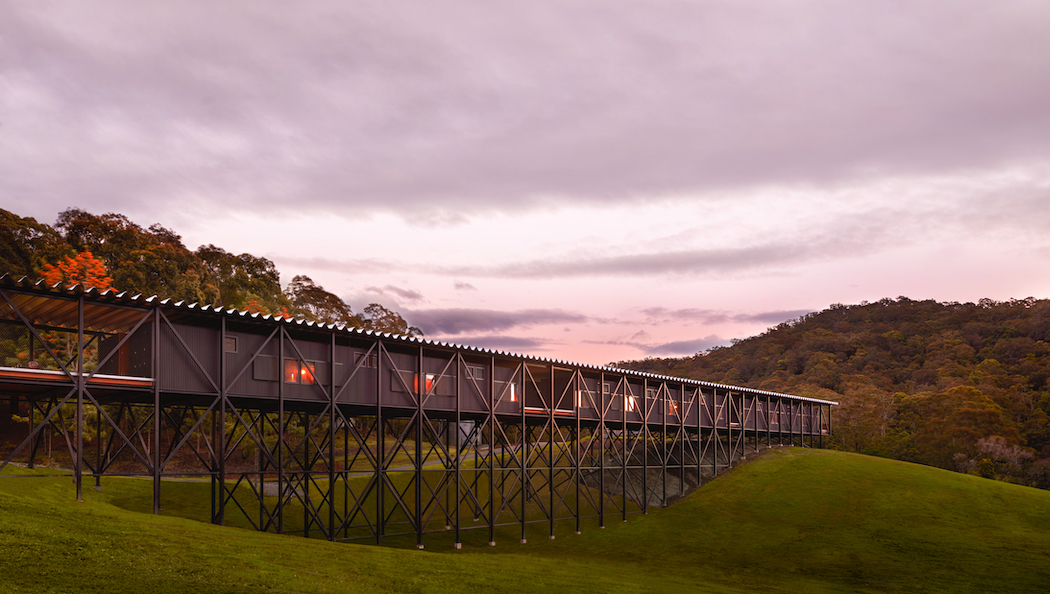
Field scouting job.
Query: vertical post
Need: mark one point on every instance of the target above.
(716, 440)
(769, 421)
(645, 446)
(421, 388)
(156, 410)
(331, 438)
(79, 469)
(577, 461)
(550, 450)
(305, 472)
(830, 428)
(731, 405)
(492, 452)
(460, 368)
(754, 420)
(98, 448)
(623, 447)
(526, 476)
(280, 435)
(220, 444)
(780, 417)
(663, 438)
(698, 399)
(601, 450)
(681, 439)
(380, 443)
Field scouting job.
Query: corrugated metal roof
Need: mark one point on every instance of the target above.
(110, 296)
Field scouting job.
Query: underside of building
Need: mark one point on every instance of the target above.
(335, 433)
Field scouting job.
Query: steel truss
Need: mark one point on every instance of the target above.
(330, 468)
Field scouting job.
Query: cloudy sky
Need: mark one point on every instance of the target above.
(593, 180)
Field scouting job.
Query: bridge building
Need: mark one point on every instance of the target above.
(336, 433)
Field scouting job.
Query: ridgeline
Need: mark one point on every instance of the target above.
(960, 386)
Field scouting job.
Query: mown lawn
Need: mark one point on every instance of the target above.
(790, 521)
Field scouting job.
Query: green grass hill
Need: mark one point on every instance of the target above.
(791, 520)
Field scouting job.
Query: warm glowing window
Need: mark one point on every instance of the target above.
(631, 403)
(672, 407)
(306, 373)
(513, 392)
(297, 372)
(430, 382)
(291, 371)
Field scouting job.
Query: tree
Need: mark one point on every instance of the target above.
(315, 303)
(85, 269)
(377, 318)
(26, 245)
(235, 279)
(152, 262)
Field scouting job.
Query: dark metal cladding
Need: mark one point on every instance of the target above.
(341, 434)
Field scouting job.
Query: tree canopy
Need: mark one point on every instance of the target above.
(111, 251)
(936, 383)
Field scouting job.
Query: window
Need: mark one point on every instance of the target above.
(430, 382)
(606, 388)
(229, 344)
(513, 392)
(631, 403)
(298, 372)
(411, 379)
(672, 407)
(371, 362)
(581, 400)
(475, 372)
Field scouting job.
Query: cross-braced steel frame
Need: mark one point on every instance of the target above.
(458, 439)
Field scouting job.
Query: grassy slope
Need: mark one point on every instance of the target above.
(790, 521)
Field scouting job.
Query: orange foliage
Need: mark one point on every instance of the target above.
(84, 269)
(253, 306)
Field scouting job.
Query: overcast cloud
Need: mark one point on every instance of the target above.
(460, 105)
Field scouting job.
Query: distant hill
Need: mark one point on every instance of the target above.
(791, 520)
(962, 386)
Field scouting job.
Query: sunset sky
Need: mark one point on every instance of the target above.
(591, 180)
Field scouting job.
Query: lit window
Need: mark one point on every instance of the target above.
(291, 371)
(296, 372)
(430, 382)
(631, 403)
(513, 392)
(306, 373)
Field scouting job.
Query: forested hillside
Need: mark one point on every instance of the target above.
(962, 386)
(110, 251)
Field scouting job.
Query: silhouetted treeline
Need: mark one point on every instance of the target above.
(962, 386)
